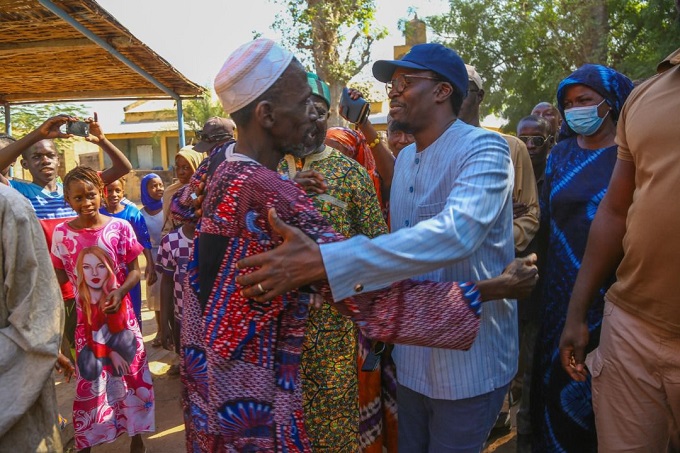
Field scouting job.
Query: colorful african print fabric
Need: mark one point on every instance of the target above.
(253, 350)
(240, 358)
(350, 203)
(576, 180)
(342, 405)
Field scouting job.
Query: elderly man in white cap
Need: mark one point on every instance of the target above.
(249, 349)
(241, 357)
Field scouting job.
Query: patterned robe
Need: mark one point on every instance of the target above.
(576, 180)
(334, 349)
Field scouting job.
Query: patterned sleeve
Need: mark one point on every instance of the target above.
(165, 261)
(365, 213)
(433, 314)
(295, 208)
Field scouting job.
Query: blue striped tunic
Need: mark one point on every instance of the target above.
(451, 216)
(47, 205)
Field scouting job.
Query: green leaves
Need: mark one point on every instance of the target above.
(523, 49)
(198, 111)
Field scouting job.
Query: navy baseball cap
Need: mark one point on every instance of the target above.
(428, 57)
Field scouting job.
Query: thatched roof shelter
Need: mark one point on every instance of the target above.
(76, 57)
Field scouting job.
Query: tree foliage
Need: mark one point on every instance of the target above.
(198, 111)
(331, 37)
(522, 49)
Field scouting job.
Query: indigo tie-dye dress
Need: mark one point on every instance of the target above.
(114, 392)
(576, 180)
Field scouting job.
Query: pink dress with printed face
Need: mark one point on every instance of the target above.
(114, 392)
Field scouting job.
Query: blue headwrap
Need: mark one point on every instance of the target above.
(149, 203)
(613, 86)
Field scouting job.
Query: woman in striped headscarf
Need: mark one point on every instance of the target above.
(576, 177)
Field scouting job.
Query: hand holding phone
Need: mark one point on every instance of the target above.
(353, 110)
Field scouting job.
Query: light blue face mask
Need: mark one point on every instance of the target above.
(584, 120)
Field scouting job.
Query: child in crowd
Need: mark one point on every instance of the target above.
(152, 198)
(98, 255)
(114, 207)
(173, 258)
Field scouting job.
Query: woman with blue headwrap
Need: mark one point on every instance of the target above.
(576, 178)
(152, 189)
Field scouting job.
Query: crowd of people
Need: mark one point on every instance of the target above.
(328, 290)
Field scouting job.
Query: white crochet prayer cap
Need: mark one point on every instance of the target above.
(249, 71)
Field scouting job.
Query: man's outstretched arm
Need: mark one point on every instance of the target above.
(295, 263)
(279, 277)
(603, 254)
(477, 199)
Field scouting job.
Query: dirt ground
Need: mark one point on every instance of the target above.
(169, 434)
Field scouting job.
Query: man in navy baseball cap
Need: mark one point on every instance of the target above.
(427, 57)
(451, 194)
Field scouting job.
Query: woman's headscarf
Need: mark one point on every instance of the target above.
(357, 149)
(193, 157)
(613, 86)
(149, 203)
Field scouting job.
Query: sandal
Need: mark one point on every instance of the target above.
(156, 342)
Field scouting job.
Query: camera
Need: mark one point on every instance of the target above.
(79, 128)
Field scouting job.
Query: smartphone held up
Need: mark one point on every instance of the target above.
(79, 128)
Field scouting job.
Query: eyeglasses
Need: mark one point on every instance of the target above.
(402, 81)
(535, 140)
(212, 138)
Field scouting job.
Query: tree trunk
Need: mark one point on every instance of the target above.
(336, 93)
(596, 32)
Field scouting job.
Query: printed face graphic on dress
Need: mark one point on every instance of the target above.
(94, 271)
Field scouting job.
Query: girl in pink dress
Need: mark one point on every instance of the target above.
(98, 254)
